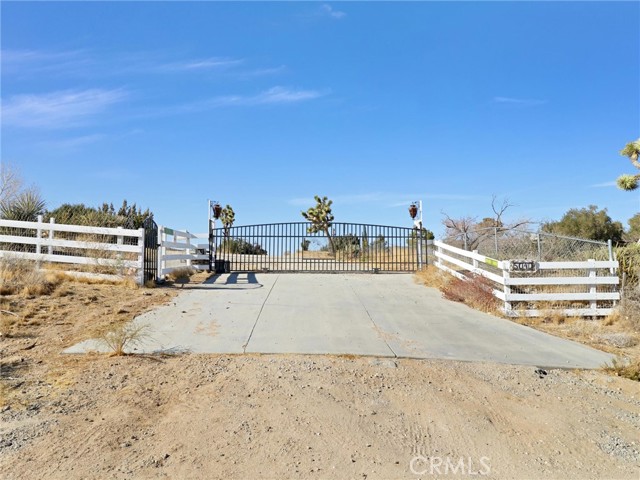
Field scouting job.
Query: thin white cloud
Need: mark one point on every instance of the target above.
(198, 65)
(15, 57)
(262, 72)
(67, 108)
(92, 63)
(434, 196)
(36, 62)
(285, 95)
(273, 96)
(384, 198)
(604, 185)
(523, 102)
(340, 199)
(75, 142)
(328, 10)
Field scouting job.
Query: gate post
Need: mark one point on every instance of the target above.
(150, 250)
(211, 256)
(141, 254)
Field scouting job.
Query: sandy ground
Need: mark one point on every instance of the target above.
(277, 416)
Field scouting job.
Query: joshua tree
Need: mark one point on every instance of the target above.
(227, 217)
(320, 217)
(631, 150)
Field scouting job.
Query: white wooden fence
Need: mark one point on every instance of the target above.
(119, 248)
(592, 285)
(178, 249)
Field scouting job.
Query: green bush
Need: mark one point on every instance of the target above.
(238, 245)
(127, 216)
(347, 243)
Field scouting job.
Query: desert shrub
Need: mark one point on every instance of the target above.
(475, 291)
(621, 368)
(630, 309)
(128, 216)
(349, 244)
(628, 257)
(124, 337)
(182, 273)
(238, 245)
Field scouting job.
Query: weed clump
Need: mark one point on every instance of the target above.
(21, 276)
(432, 276)
(124, 337)
(621, 368)
(475, 291)
(181, 275)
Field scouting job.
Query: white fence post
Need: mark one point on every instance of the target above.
(188, 248)
(475, 261)
(162, 252)
(506, 289)
(593, 287)
(50, 247)
(120, 241)
(140, 274)
(39, 241)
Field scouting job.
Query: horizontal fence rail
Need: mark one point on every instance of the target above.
(179, 249)
(104, 250)
(293, 247)
(576, 288)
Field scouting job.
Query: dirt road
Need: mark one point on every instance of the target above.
(323, 417)
(288, 416)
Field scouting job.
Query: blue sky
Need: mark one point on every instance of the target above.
(263, 105)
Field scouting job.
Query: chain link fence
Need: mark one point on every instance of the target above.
(512, 244)
(574, 286)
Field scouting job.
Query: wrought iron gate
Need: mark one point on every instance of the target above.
(345, 247)
(150, 260)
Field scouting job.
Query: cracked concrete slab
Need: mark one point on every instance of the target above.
(385, 315)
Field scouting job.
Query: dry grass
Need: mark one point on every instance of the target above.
(432, 276)
(630, 310)
(316, 254)
(620, 368)
(122, 337)
(7, 321)
(551, 315)
(475, 291)
(42, 326)
(181, 275)
(19, 276)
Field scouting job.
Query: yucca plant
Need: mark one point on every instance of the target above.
(24, 206)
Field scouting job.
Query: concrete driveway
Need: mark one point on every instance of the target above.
(386, 315)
